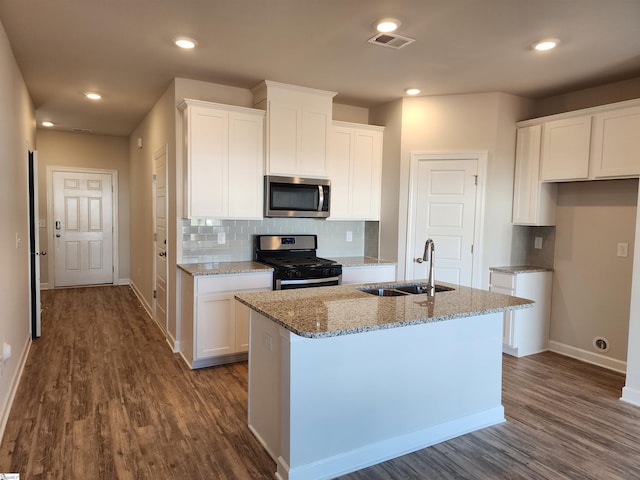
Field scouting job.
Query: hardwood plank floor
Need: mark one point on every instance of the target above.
(103, 397)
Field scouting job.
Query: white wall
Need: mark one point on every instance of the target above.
(81, 150)
(17, 135)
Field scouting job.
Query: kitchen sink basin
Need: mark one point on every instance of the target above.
(403, 290)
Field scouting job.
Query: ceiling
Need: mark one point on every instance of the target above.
(123, 49)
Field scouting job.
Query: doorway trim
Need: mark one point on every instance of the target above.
(478, 232)
(114, 204)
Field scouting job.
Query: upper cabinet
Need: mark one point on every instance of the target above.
(565, 149)
(223, 160)
(298, 123)
(615, 150)
(534, 202)
(355, 169)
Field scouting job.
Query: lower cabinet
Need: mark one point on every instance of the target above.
(369, 274)
(526, 331)
(214, 327)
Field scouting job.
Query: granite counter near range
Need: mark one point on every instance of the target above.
(223, 268)
(340, 379)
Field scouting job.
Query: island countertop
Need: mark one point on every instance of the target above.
(331, 311)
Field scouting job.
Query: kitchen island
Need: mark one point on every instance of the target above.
(340, 379)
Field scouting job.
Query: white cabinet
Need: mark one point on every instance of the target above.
(298, 122)
(526, 331)
(565, 149)
(223, 160)
(355, 170)
(534, 202)
(615, 149)
(214, 326)
(369, 274)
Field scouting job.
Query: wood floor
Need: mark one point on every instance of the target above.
(103, 397)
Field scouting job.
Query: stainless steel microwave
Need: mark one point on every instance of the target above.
(296, 197)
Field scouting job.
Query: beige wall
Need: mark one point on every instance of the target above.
(591, 284)
(17, 136)
(455, 123)
(79, 150)
(348, 113)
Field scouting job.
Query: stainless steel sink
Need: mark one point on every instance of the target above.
(415, 289)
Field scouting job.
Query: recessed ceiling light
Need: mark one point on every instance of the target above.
(412, 91)
(93, 95)
(185, 42)
(387, 25)
(544, 45)
(47, 123)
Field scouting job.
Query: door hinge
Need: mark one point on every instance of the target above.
(155, 294)
(113, 269)
(472, 249)
(155, 237)
(476, 179)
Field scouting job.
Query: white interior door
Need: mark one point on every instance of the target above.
(160, 237)
(443, 208)
(82, 228)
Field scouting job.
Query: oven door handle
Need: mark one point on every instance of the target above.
(309, 281)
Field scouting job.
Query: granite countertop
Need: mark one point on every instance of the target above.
(520, 269)
(361, 261)
(223, 268)
(341, 310)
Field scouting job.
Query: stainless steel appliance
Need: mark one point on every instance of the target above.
(295, 263)
(296, 196)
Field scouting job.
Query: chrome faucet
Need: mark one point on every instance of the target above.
(429, 247)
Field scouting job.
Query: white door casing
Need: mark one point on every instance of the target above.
(160, 238)
(445, 203)
(82, 214)
(34, 244)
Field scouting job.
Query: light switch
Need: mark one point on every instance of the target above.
(537, 243)
(623, 249)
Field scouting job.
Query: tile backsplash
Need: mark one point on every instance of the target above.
(200, 237)
(523, 249)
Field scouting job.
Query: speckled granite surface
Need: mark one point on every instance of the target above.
(361, 261)
(520, 269)
(223, 268)
(331, 311)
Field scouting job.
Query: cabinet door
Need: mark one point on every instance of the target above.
(616, 143)
(339, 170)
(314, 137)
(534, 202)
(565, 149)
(366, 175)
(207, 162)
(284, 131)
(242, 327)
(246, 158)
(215, 330)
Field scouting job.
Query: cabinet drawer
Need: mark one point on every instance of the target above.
(233, 283)
(502, 280)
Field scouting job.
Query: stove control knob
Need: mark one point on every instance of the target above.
(298, 274)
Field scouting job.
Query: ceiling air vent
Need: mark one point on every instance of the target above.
(391, 40)
(81, 130)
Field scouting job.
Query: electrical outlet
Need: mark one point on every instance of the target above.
(623, 249)
(42, 223)
(537, 243)
(222, 238)
(349, 236)
(267, 341)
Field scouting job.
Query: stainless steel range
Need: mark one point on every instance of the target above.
(295, 263)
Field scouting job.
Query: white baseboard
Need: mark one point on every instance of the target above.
(143, 302)
(124, 281)
(394, 447)
(589, 357)
(15, 381)
(44, 286)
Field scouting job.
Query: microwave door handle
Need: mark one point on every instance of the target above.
(321, 199)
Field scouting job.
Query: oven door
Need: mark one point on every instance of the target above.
(282, 284)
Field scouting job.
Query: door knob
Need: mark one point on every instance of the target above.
(419, 260)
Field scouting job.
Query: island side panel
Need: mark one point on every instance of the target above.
(350, 401)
